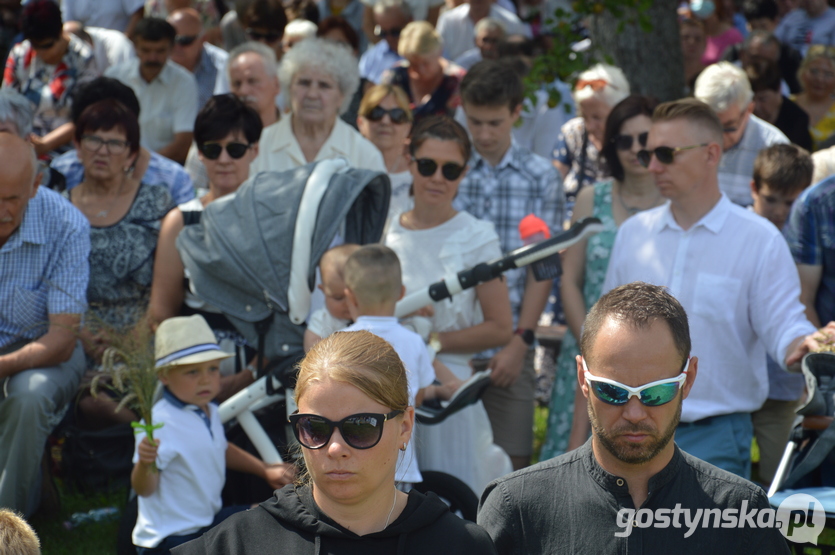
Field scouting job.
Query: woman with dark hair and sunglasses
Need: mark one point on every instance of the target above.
(631, 190)
(385, 119)
(353, 419)
(226, 133)
(432, 240)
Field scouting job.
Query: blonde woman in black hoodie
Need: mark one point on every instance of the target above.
(353, 420)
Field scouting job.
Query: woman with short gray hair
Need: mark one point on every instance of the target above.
(320, 78)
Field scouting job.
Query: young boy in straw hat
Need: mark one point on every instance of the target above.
(180, 498)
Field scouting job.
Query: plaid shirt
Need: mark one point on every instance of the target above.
(44, 267)
(522, 183)
(737, 165)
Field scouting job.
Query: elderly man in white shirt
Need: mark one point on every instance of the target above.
(167, 92)
(730, 269)
(457, 26)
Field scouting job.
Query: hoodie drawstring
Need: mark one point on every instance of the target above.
(401, 544)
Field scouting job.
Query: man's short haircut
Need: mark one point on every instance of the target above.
(41, 20)
(16, 108)
(223, 115)
(723, 85)
(264, 14)
(108, 114)
(760, 9)
(492, 83)
(693, 111)
(638, 304)
(372, 274)
(759, 35)
(154, 29)
(785, 168)
(488, 25)
(335, 259)
(383, 6)
(764, 75)
(16, 536)
(102, 88)
(267, 56)
(628, 108)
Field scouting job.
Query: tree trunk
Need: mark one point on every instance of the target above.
(652, 61)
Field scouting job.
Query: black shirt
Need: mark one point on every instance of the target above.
(794, 122)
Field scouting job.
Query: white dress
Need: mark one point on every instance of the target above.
(463, 444)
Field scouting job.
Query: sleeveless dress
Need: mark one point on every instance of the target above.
(598, 250)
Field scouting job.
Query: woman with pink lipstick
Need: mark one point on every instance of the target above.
(631, 190)
(353, 419)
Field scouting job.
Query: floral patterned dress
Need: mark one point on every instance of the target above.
(598, 250)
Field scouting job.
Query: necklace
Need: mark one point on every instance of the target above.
(632, 210)
(393, 503)
(103, 213)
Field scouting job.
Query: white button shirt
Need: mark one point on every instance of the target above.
(734, 275)
(168, 104)
(458, 31)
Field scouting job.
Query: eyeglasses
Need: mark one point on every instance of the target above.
(427, 168)
(212, 151)
(397, 115)
(93, 143)
(394, 32)
(185, 40)
(653, 394)
(625, 142)
(43, 46)
(360, 431)
(270, 36)
(665, 154)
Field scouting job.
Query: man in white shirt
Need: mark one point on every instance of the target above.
(109, 47)
(727, 90)
(457, 26)
(167, 93)
(813, 22)
(729, 268)
(488, 33)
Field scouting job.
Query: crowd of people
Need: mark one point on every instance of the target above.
(120, 126)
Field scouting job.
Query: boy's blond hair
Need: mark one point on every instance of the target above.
(372, 274)
(16, 536)
(335, 258)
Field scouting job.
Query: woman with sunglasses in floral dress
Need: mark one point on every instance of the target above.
(353, 419)
(433, 240)
(631, 190)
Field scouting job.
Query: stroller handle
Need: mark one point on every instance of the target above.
(486, 271)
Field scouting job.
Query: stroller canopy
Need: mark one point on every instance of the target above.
(253, 256)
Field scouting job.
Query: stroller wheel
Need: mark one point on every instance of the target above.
(455, 493)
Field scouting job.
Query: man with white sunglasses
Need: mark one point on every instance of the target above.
(635, 370)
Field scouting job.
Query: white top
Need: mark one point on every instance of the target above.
(192, 470)
(415, 356)
(323, 323)
(110, 14)
(168, 104)
(458, 30)
(280, 151)
(400, 200)
(734, 275)
(109, 48)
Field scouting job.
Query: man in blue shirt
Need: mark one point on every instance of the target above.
(390, 16)
(44, 270)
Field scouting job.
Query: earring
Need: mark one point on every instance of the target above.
(404, 447)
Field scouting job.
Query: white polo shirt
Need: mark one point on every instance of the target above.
(458, 30)
(168, 104)
(734, 275)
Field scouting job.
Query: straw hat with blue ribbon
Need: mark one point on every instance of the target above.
(186, 340)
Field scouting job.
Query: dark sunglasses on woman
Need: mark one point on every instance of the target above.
(360, 431)
(625, 142)
(397, 115)
(427, 168)
(212, 151)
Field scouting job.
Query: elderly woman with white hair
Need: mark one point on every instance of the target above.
(16, 113)
(320, 78)
(577, 155)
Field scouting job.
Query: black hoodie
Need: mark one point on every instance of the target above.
(291, 523)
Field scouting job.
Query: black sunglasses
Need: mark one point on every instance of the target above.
(185, 40)
(665, 154)
(271, 36)
(397, 115)
(427, 168)
(393, 33)
(360, 431)
(212, 151)
(43, 46)
(625, 142)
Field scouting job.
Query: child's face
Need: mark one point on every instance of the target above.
(334, 289)
(195, 384)
(772, 205)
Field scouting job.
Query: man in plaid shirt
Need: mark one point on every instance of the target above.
(44, 269)
(504, 184)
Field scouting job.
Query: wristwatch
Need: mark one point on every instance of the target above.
(435, 342)
(527, 335)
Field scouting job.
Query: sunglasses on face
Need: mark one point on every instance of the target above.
(397, 115)
(665, 154)
(625, 142)
(653, 394)
(185, 40)
(212, 151)
(267, 37)
(384, 33)
(427, 168)
(44, 45)
(360, 431)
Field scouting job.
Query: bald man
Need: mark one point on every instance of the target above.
(44, 270)
(206, 61)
